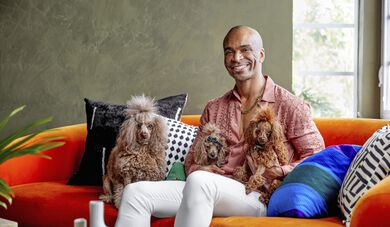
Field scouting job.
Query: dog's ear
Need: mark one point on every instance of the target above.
(277, 138)
(248, 134)
(222, 155)
(127, 134)
(158, 137)
(200, 154)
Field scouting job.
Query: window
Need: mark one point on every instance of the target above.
(325, 55)
(384, 74)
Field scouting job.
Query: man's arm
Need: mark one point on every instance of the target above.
(303, 136)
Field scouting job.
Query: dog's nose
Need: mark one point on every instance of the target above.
(144, 135)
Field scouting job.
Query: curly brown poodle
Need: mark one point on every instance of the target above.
(139, 153)
(211, 148)
(265, 150)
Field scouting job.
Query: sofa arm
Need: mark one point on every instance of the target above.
(374, 207)
(65, 159)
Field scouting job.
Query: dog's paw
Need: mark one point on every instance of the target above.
(264, 197)
(106, 198)
(249, 188)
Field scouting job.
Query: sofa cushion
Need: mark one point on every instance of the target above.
(311, 189)
(180, 138)
(103, 124)
(370, 166)
(57, 204)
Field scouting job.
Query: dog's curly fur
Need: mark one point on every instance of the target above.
(211, 148)
(139, 153)
(265, 150)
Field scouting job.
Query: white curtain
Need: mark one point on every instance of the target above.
(384, 72)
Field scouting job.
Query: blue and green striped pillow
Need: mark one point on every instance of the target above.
(311, 189)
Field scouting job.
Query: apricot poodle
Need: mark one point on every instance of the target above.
(211, 148)
(265, 150)
(139, 153)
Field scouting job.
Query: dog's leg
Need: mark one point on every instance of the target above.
(107, 196)
(266, 195)
(118, 190)
(255, 181)
(241, 174)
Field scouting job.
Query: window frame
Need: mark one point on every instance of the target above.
(354, 73)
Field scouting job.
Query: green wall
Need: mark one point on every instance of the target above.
(55, 53)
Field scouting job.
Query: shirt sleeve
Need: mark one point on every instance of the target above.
(189, 164)
(303, 135)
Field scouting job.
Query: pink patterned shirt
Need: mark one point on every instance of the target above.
(302, 137)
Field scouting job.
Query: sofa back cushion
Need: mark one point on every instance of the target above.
(103, 124)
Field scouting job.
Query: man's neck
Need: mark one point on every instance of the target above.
(250, 89)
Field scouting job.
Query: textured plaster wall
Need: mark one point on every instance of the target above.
(55, 53)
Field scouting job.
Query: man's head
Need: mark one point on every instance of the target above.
(244, 53)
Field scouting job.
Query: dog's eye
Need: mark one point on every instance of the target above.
(139, 125)
(150, 126)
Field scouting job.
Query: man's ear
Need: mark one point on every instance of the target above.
(262, 55)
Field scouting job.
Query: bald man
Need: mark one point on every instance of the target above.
(209, 190)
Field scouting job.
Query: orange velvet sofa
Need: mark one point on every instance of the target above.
(42, 197)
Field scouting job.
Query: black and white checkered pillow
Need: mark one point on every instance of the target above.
(180, 138)
(370, 165)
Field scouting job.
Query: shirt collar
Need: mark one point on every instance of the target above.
(269, 91)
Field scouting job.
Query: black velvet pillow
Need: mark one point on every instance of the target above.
(103, 124)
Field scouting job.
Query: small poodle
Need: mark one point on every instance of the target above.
(139, 153)
(211, 148)
(266, 149)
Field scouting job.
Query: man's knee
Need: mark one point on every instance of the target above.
(134, 192)
(200, 181)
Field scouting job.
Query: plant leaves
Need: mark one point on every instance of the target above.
(5, 188)
(30, 150)
(20, 133)
(6, 119)
(3, 205)
(7, 197)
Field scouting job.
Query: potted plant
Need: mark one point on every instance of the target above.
(16, 145)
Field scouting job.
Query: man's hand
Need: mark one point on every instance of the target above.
(274, 172)
(212, 169)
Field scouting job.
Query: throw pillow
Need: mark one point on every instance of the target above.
(180, 138)
(103, 124)
(371, 165)
(311, 189)
(177, 172)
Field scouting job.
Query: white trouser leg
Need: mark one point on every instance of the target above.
(143, 199)
(206, 194)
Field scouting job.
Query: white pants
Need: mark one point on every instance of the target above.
(193, 202)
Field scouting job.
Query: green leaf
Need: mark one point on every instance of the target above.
(20, 133)
(6, 119)
(4, 187)
(25, 140)
(6, 196)
(30, 150)
(3, 205)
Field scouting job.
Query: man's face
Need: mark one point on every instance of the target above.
(243, 54)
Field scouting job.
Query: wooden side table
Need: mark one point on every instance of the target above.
(7, 223)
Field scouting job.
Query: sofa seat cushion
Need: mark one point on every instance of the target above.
(54, 204)
(276, 222)
(58, 204)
